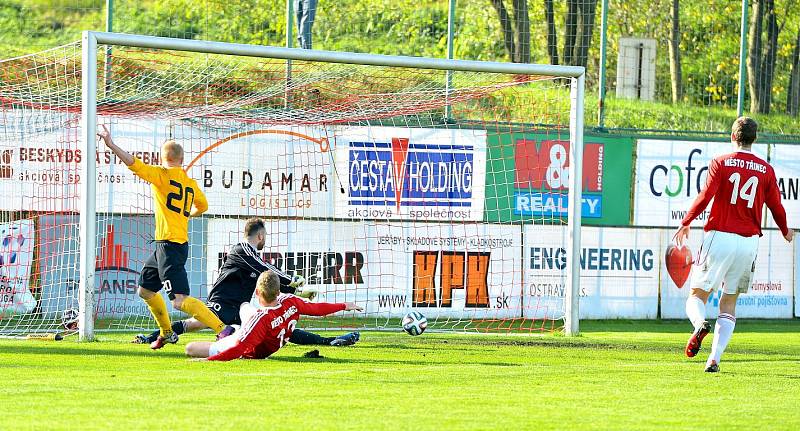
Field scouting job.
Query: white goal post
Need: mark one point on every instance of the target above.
(88, 139)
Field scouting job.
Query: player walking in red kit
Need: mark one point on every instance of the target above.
(266, 329)
(740, 183)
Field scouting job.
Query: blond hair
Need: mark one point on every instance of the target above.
(268, 286)
(172, 151)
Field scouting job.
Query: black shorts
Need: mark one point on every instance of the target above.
(227, 312)
(166, 268)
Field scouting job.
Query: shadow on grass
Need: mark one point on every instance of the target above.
(428, 347)
(416, 361)
(673, 326)
(76, 350)
(781, 359)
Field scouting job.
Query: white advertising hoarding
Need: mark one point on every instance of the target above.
(785, 159)
(375, 173)
(796, 278)
(670, 174)
(16, 261)
(276, 171)
(770, 295)
(619, 272)
(409, 174)
(40, 166)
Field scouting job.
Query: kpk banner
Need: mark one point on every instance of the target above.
(770, 295)
(459, 271)
(123, 246)
(619, 272)
(467, 271)
(405, 173)
(536, 187)
(670, 174)
(16, 260)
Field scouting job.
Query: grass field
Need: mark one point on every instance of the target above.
(617, 375)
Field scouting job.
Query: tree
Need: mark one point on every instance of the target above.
(523, 27)
(516, 30)
(761, 57)
(552, 39)
(793, 93)
(675, 53)
(578, 27)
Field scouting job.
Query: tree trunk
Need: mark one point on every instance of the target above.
(570, 32)
(793, 95)
(506, 25)
(675, 53)
(770, 57)
(552, 36)
(522, 24)
(587, 11)
(754, 54)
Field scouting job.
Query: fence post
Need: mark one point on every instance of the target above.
(289, 43)
(601, 87)
(451, 22)
(742, 60)
(109, 28)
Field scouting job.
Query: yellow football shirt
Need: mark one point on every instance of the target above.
(174, 193)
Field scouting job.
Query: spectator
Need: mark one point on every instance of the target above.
(305, 11)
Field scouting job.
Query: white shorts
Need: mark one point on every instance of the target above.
(223, 344)
(725, 258)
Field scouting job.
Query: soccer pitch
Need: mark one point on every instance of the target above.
(617, 375)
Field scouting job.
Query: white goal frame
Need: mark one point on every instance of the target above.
(90, 40)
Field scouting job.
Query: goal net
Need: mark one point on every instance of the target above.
(396, 183)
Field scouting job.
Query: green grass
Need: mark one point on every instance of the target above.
(643, 115)
(617, 375)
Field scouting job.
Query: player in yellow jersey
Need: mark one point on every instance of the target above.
(177, 197)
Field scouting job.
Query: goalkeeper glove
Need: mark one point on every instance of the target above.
(297, 281)
(308, 292)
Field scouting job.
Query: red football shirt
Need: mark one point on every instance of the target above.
(740, 184)
(271, 327)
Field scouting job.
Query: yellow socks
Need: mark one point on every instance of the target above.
(199, 311)
(158, 308)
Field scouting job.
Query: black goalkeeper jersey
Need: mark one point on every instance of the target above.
(238, 274)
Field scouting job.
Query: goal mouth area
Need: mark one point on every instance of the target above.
(445, 137)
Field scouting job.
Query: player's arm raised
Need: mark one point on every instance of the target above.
(151, 174)
(121, 154)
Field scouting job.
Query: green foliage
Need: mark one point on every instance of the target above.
(618, 375)
(709, 46)
(709, 41)
(31, 25)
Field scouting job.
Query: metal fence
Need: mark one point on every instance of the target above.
(672, 64)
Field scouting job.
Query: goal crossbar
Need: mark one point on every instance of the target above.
(91, 39)
(202, 46)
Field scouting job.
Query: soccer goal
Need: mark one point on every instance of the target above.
(448, 187)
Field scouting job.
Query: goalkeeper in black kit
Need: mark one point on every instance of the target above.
(236, 284)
